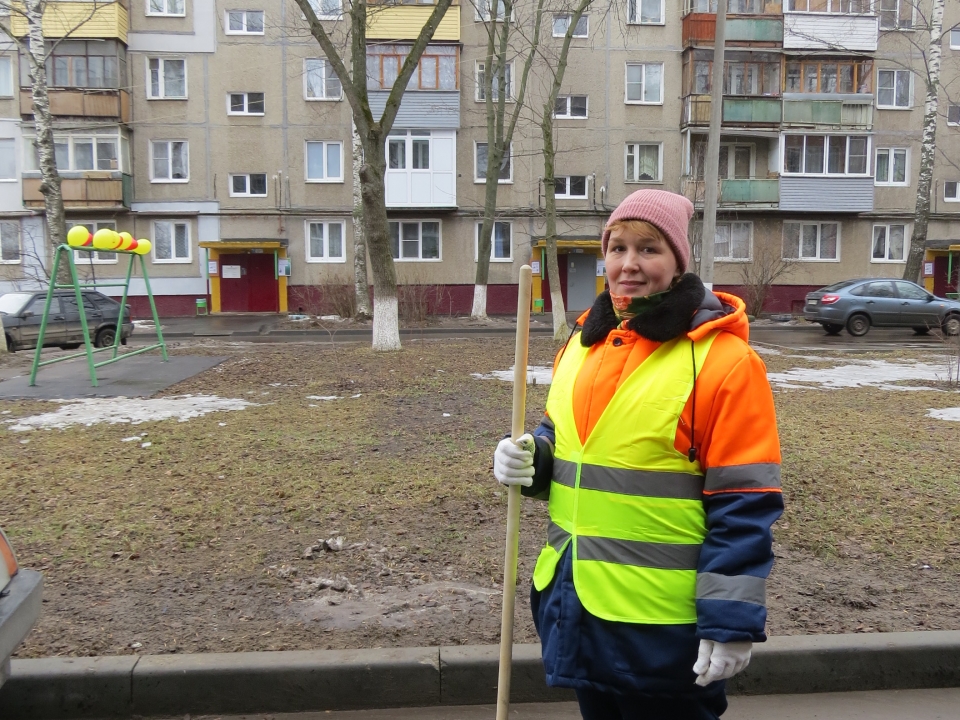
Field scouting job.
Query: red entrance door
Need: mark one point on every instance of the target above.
(248, 283)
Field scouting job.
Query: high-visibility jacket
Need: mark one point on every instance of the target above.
(626, 498)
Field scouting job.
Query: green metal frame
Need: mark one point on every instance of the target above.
(75, 285)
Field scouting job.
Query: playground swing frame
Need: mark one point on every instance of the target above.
(76, 286)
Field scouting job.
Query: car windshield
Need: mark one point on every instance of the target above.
(12, 303)
(838, 286)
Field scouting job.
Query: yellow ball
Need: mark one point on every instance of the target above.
(143, 247)
(78, 236)
(103, 239)
(126, 241)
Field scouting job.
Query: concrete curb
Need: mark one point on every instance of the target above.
(303, 681)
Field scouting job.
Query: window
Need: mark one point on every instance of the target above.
(645, 12)
(327, 9)
(485, 9)
(252, 185)
(838, 7)
(415, 240)
(570, 186)
(9, 243)
(953, 114)
(166, 79)
(171, 161)
(811, 241)
(77, 153)
(495, 83)
(896, 14)
(733, 241)
(889, 242)
(94, 257)
(645, 83)
(320, 82)
(643, 162)
(829, 76)
(244, 22)
(8, 159)
(245, 103)
(421, 168)
(506, 165)
(501, 242)
(951, 191)
(82, 63)
(325, 241)
(324, 161)
(171, 242)
(561, 24)
(826, 154)
(894, 88)
(891, 166)
(437, 69)
(6, 76)
(166, 7)
(955, 39)
(570, 106)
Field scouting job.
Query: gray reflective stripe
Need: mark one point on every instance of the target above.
(743, 477)
(556, 536)
(565, 472)
(742, 588)
(632, 552)
(648, 483)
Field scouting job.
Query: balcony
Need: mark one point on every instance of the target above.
(739, 194)
(421, 110)
(79, 20)
(102, 190)
(701, 29)
(826, 194)
(111, 105)
(736, 110)
(828, 31)
(823, 110)
(404, 22)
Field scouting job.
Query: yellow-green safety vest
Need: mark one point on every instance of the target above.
(630, 503)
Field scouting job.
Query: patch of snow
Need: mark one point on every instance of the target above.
(536, 374)
(146, 444)
(354, 397)
(332, 318)
(880, 374)
(945, 414)
(92, 411)
(132, 438)
(324, 397)
(761, 350)
(446, 414)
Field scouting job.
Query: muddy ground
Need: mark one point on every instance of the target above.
(373, 520)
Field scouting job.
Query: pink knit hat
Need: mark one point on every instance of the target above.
(669, 212)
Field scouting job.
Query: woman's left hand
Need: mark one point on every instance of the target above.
(719, 661)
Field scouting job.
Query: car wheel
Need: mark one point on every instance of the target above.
(832, 328)
(921, 330)
(105, 337)
(951, 325)
(70, 346)
(11, 346)
(858, 325)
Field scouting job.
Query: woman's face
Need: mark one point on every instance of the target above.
(638, 266)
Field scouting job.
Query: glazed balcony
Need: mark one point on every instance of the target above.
(825, 31)
(738, 193)
(393, 20)
(94, 191)
(701, 29)
(113, 105)
(737, 110)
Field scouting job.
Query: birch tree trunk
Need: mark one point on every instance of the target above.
(928, 145)
(360, 287)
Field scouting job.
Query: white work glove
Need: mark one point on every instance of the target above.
(513, 462)
(719, 661)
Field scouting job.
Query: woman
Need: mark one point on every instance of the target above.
(659, 454)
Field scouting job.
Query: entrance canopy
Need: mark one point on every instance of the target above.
(247, 275)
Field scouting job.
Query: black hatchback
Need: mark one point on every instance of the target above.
(23, 311)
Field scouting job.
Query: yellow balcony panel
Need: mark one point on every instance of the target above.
(79, 19)
(404, 22)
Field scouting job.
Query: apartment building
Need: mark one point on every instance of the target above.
(218, 130)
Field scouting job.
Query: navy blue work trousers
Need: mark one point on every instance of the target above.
(595, 705)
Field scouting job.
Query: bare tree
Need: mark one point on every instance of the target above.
(758, 276)
(498, 89)
(373, 134)
(561, 331)
(361, 291)
(35, 50)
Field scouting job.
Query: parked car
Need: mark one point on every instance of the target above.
(20, 602)
(882, 302)
(23, 311)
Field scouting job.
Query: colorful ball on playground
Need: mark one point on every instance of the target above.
(126, 241)
(78, 236)
(105, 239)
(143, 247)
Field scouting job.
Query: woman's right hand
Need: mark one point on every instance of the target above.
(513, 461)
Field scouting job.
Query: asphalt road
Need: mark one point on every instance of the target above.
(885, 705)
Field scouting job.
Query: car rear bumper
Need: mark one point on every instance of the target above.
(823, 314)
(127, 330)
(19, 610)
